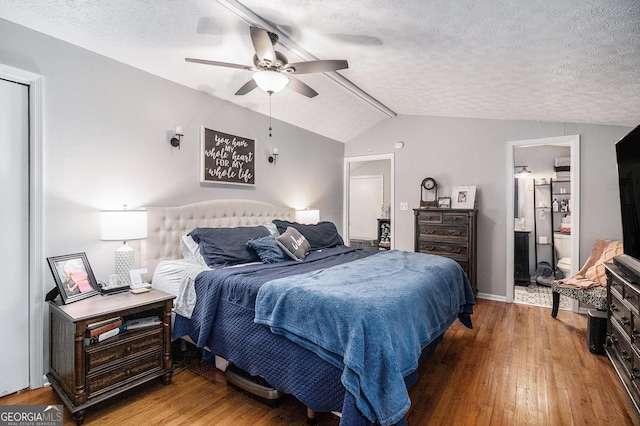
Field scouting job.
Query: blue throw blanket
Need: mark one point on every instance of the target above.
(371, 326)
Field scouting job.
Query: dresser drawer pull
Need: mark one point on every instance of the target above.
(630, 297)
(625, 357)
(613, 339)
(455, 233)
(430, 248)
(430, 231)
(634, 373)
(128, 372)
(613, 307)
(624, 321)
(456, 250)
(128, 349)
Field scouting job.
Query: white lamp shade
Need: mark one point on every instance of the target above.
(270, 81)
(123, 225)
(308, 216)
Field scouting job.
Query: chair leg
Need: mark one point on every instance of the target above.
(556, 303)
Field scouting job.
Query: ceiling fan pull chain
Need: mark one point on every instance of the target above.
(269, 114)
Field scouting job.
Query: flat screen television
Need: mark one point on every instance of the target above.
(628, 157)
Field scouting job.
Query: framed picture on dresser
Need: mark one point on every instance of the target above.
(74, 277)
(463, 197)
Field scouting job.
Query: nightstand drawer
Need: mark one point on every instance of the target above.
(123, 372)
(444, 232)
(127, 345)
(441, 248)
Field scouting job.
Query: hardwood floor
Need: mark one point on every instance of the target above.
(518, 366)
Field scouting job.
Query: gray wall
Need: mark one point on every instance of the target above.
(473, 152)
(106, 143)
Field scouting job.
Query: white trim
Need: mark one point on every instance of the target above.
(347, 176)
(36, 261)
(573, 141)
(493, 297)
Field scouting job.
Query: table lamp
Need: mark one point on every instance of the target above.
(123, 225)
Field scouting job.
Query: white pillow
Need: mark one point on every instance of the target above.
(191, 250)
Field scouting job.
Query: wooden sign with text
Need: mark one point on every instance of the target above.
(227, 158)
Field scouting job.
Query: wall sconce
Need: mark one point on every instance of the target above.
(175, 141)
(273, 157)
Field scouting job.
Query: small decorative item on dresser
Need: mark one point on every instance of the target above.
(73, 276)
(444, 202)
(463, 197)
(429, 185)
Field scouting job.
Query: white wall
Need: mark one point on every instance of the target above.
(473, 152)
(106, 143)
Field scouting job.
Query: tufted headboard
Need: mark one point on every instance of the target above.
(165, 225)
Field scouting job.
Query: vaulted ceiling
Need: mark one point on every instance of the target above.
(543, 60)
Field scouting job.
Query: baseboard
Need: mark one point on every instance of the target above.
(493, 297)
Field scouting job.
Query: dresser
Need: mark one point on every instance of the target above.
(85, 374)
(450, 233)
(623, 329)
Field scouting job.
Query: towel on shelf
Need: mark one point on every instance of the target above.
(592, 273)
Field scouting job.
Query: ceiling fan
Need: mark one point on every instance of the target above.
(272, 70)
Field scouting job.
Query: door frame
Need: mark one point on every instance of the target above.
(347, 177)
(573, 142)
(36, 249)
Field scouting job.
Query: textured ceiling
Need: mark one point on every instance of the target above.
(546, 60)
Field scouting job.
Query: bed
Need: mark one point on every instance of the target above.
(315, 318)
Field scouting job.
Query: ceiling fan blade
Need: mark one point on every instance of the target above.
(262, 44)
(301, 87)
(247, 87)
(316, 66)
(219, 64)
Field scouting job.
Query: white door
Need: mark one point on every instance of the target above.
(14, 229)
(366, 195)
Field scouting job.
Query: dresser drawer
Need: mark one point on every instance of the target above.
(444, 232)
(127, 345)
(616, 285)
(429, 217)
(621, 315)
(443, 248)
(454, 218)
(632, 297)
(622, 349)
(123, 372)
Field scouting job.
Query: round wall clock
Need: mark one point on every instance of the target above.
(429, 192)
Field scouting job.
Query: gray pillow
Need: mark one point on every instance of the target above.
(294, 244)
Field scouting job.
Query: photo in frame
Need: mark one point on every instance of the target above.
(444, 202)
(463, 197)
(73, 276)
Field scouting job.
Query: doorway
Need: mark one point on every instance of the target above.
(540, 208)
(370, 165)
(30, 225)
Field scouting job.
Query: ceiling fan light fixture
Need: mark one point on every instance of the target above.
(270, 81)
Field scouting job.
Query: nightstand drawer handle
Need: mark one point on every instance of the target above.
(456, 250)
(455, 233)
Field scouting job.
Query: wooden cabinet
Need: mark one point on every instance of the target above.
(84, 375)
(521, 258)
(450, 233)
(623, 329)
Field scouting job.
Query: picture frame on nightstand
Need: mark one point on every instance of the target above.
(73, 276)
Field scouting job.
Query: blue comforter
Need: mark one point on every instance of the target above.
(373, 328)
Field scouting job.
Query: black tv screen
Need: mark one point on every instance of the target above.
(628, 156)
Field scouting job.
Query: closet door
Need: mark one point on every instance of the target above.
(14, 229)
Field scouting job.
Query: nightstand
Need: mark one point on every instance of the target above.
(87, 375)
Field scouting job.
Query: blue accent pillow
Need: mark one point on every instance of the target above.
(228, 246)
(268, 249)
(321, 235)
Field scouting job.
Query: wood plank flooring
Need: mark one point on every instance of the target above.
(518, 366)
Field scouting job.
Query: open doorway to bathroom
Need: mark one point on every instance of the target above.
(544, 206)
